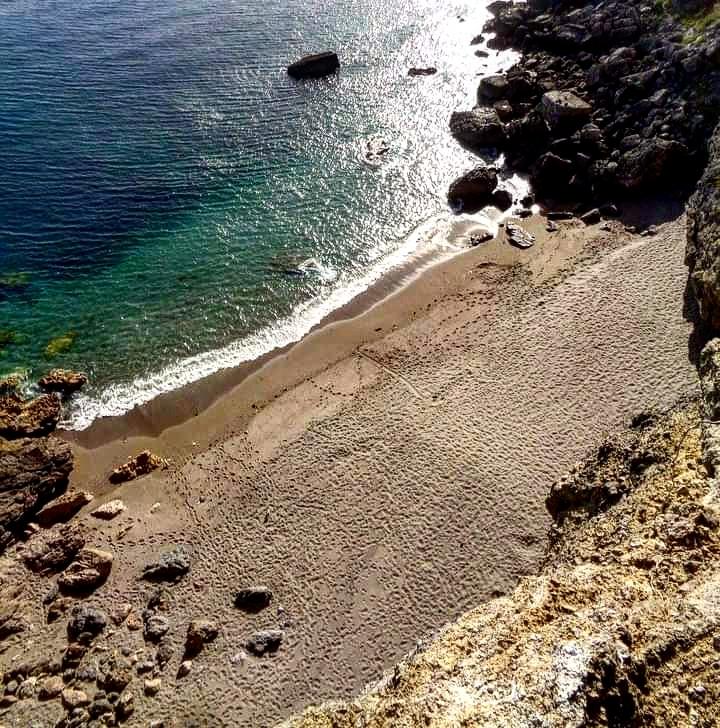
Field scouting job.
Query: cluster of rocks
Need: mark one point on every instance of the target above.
(137, 466)
(609, 99)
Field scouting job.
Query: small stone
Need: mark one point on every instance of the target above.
(144, 667)
(200, 632)
(120, 613)
(185, 667)
(155, 626)
(519, 237)
(72, 698)
(50, 687)
(11, 687)
(134, 621)
(125, 705)
(265, 641)
(101, 706)
(84, 619)
(257, 598)
(108, 511)
(172, 565)
(89, 570)
(164, 653)
(152, 686)
(27, 688)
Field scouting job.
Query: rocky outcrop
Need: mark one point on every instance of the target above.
(316, 65)
(63, 382)
(28, 418)
(623, 96)
(703, 247)
(621, 627)
(32, 472)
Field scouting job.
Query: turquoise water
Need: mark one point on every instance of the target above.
(171, 203)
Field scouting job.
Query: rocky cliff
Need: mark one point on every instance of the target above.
(703, 249)
(621, 627)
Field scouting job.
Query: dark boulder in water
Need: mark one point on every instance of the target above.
(429, 71)
(473, 190)
(316, 65)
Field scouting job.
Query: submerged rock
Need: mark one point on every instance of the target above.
(429, 71)
(315, 65)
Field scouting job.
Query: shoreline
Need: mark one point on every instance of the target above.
(393, 301)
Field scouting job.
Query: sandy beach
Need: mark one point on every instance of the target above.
(389, 471)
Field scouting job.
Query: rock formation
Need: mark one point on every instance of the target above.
(703, 249)
(62, 381)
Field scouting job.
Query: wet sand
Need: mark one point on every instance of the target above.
(389, 471)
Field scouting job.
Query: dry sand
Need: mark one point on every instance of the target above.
(388, 472)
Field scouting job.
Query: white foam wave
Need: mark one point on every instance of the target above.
(433, 235)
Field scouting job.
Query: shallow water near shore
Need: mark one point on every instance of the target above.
(177, 205)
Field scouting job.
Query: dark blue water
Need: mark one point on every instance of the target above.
(162, 176)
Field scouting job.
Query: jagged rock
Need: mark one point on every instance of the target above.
(84, 619)
(55, 549)
(120, 613)
(315, 66)
(138, 466)
(429, 71)
(171, 566)
(125, 706)
(477, 128)
(265, 642)
(28, 418)
(474, 189)
(89, 570)
(702, 254)
(109, 510)
(651, 163)
(63, 508)
(115, 673)
(63, 381)
(199, 633)
(254, 598)
(31, 473)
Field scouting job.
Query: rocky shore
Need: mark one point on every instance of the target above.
(609, 100)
